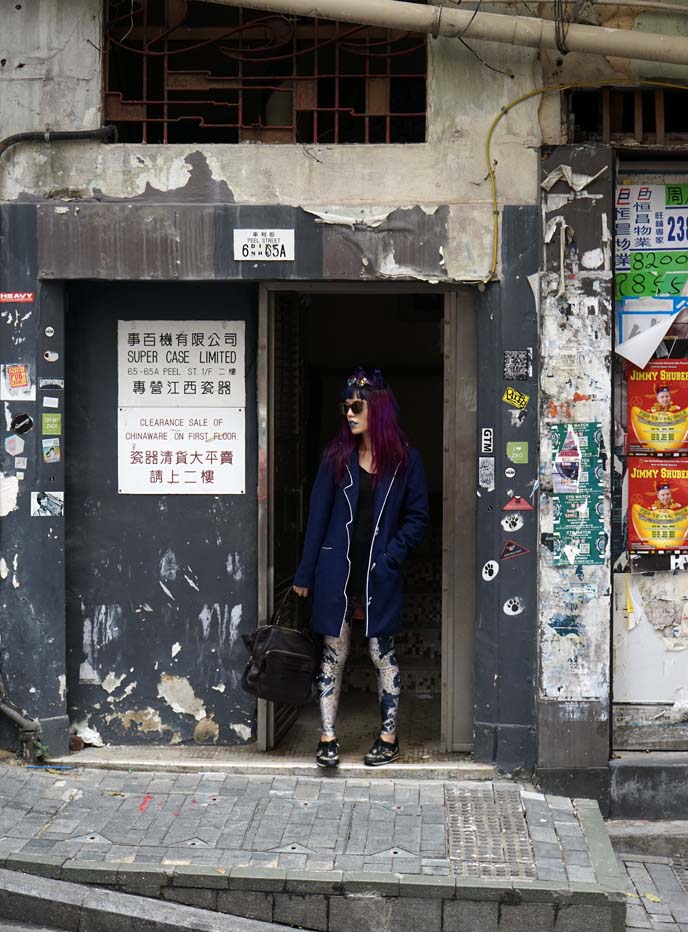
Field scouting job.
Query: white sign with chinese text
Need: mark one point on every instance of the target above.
(182, 397)
(264, 245)
(649, 217)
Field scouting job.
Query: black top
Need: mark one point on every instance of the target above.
(362, 535)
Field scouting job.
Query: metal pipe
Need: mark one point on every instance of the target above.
(26, 724)
(106, 133)
(492, 27)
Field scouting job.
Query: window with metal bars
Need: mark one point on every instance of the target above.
(178, 71)
(628, 116)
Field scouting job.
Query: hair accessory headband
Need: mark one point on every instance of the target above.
(360, 379)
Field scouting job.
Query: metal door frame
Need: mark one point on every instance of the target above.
(458, 524)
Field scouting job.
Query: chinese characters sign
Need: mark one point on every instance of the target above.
(658, 504)
(578, 501)
(651, 228)
(658, 407)
(182, 397)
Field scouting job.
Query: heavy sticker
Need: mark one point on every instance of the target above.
(517, 399)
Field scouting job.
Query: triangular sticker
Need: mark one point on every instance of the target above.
(518, 503)
(513, 549)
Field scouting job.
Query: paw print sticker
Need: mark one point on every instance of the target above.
(490, 570)
(513, 606)
(512, 522)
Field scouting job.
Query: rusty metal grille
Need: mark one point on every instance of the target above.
(628, 116)
(177, 71)
(487, 832)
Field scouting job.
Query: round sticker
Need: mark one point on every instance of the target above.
(49, 356)
(50, 331)
(513, 606)
(510, 472)
(512, 523)
(490, 570)
(22, 423)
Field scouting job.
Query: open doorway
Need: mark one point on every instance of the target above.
(316, 340)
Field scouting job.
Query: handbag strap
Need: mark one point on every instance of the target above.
(277, 615)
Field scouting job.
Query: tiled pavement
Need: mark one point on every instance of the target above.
(482, 830)
(657, 890)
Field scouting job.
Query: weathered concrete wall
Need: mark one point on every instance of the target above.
(49, 65)
(576, 387)
(354, 181)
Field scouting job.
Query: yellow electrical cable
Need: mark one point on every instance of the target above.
(548, 89)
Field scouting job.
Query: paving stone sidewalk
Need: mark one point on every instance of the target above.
(657, 890)
(482, 830)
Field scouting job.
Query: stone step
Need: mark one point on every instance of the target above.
(166, 759)
(666, 839)
(649, 786)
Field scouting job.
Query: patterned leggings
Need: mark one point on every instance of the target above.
(335, 652)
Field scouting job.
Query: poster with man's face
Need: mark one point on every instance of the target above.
(658, 504)
(658, 407)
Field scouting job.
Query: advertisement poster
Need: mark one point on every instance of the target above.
(658, 504)
(578, 502)
(658, 407)
(652, 220)
(182, 407)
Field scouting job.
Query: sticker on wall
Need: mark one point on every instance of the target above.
(14, 445)
(49, 331)
(517, 399)
(517, 503)
(50, 401)
(51, 383)
(47, 504)
(17, 376)
(487, 440)
(51, 449)
(486, 473)
(51, 356)
(490, 570)
(518, 365)
(513, 549)
(16, 297)
(517, 451)
(52, 423)
(513, 606)
(512, 523)
(510, 472)
(21, 462)
(21, 423)
(16, 383)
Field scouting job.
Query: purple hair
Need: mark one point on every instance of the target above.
(388, 441)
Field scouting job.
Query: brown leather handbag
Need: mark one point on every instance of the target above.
(283, 663)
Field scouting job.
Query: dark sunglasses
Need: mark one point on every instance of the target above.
(355, 406)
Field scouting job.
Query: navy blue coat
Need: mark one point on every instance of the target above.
(400, 518)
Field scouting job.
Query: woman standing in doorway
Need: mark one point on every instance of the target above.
(368, 510)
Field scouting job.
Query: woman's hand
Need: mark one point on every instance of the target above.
(301, 591)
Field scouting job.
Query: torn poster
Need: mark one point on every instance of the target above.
(577, 181)
(642, 325)
(578, 501)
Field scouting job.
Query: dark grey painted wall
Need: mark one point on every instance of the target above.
(32, 646)
(159, 587)
(506, 644)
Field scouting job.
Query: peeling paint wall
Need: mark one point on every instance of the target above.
(576, 387)
(32, 635)
(353, 182)
(160, 588)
